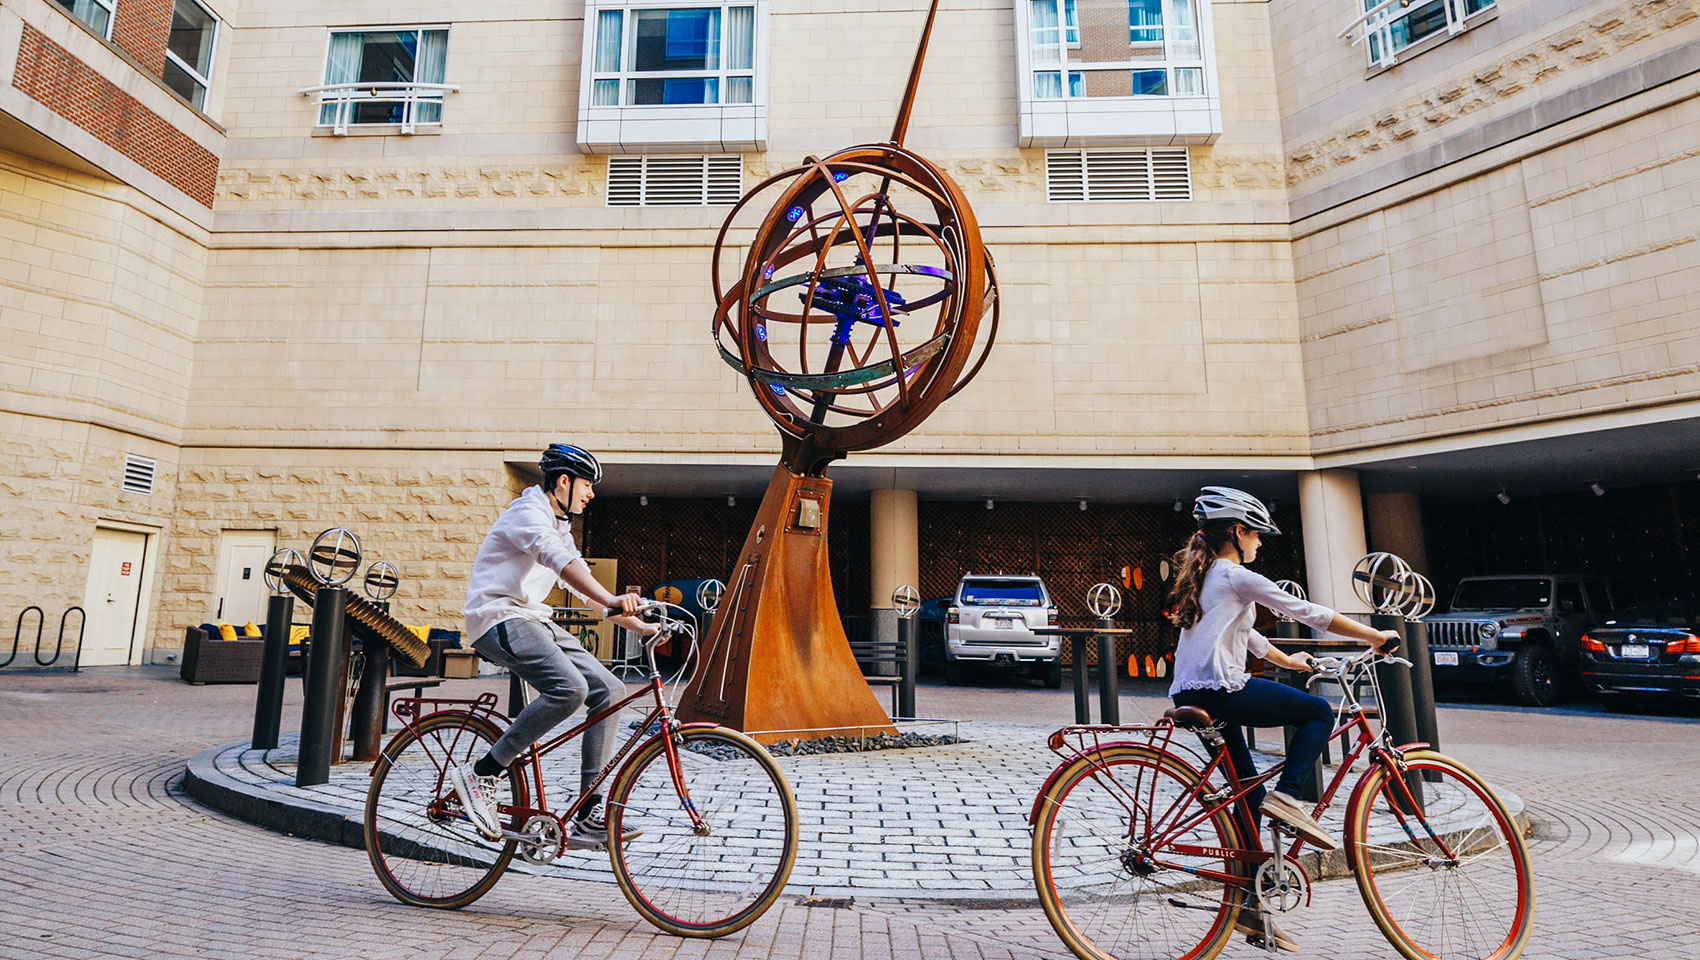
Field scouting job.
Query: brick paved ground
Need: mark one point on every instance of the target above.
(107, 857)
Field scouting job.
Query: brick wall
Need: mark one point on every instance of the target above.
(59, 81)
(141, 28)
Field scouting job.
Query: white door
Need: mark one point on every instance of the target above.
(113, 596)
(241, 589)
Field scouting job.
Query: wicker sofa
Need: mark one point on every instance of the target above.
(211, 660)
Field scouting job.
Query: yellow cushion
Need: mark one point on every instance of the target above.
(423, 632)
(226, 632)
(298, 633)
(250, 630)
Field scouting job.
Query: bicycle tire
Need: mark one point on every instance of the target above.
(1069, 906)
(712, 884)
(413, 838)
(1427, 909)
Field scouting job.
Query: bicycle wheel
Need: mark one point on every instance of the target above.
(425, 851)
(1108, 896)
(714, 881)
(1470, 894)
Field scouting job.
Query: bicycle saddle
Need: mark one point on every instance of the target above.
(1192, 718)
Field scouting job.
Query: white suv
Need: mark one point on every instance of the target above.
(991, 621)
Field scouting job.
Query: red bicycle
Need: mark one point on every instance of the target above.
(1144, 848)
(715, 818)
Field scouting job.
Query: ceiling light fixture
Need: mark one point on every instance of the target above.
(1178, 506)
(988, 503)
(1599, 490)
(1083, 503)
(643, 500)
(731, 501)
(1502, 497)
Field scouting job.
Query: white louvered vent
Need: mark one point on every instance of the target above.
(1160, 173)
(138, 474)
(675, 181)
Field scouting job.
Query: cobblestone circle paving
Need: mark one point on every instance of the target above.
(106, 855)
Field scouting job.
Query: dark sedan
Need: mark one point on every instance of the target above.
(1648, 650)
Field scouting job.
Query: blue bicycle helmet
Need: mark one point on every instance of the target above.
(574, 461)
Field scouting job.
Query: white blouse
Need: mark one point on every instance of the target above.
(1211, 653)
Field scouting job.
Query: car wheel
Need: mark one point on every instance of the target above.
(1534, 676)
(1053, 675)
(952, 672)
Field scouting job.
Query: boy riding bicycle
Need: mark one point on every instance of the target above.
(526, 554)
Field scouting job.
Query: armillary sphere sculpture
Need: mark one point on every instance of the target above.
(865, 300)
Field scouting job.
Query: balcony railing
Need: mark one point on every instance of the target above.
(1379, 30)
(343, 98)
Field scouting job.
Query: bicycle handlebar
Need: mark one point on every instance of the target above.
(1333, 668)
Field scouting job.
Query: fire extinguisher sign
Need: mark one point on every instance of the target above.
(124, 569)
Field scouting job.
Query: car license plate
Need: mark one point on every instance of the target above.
(1005, 624)
(1634, 651)
(1445, 659)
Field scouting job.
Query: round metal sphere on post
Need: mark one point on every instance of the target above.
(1287, 628)
(334, 557)
(382, 580)
(906, 600)
(278, 565)
(274, 658)
(1105, 600)
(709, 593)
(1383, 582)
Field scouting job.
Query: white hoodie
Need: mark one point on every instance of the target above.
(518, 565)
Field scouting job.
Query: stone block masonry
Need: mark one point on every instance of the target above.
(49, 74)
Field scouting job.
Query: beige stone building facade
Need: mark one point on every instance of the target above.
(1412, 255)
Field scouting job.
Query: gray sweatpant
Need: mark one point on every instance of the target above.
(566, 677)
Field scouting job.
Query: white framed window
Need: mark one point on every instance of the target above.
(1388, 27)
(96, 13)
(675, 181)
(1114, 48)
(671, 76)
(1107, 176)
(674, 55)
(189, 51)
(386, 77)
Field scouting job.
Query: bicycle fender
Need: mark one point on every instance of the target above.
(1033, 813)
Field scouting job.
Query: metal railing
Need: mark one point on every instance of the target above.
(1374, 27)
(59, 645)
(344, 97)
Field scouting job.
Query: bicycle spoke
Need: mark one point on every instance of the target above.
(1462, 893)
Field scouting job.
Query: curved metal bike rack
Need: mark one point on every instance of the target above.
(17, 634)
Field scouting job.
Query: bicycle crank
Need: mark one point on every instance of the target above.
(542, 839)
(1281, 886)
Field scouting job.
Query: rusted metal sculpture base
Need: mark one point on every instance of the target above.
(777, 663)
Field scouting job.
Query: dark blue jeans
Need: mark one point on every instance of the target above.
(1265, 703)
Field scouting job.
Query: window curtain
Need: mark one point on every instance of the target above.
(1047, 33)
(432, 68)
(608, 24)
(342, 65)
(740, 38)
(1047, 85)
(1183, 32)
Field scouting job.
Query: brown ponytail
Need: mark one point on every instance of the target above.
(1191, 562)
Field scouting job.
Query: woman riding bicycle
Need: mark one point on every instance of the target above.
(1214, 601)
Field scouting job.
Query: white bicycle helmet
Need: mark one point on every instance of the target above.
(1226, 503)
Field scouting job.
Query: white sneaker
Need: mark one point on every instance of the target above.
(1288, 811)
(1261, 934)
(590, 830)
(477, 797)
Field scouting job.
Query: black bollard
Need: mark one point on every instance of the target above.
(274, 661)
(1109, 702)
(1311, 788)
(1082, 703)
(911, 653)
(324, 688)
(516, 695)
(369, 696)
(1397, 713)
(1422, 687)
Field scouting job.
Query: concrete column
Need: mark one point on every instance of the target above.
(1333, 516)
(1395, 522)
(894, 557)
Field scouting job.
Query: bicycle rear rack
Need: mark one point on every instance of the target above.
(405, 707)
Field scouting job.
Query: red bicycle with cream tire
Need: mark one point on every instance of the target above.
(1143, 849)
(709, 820)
